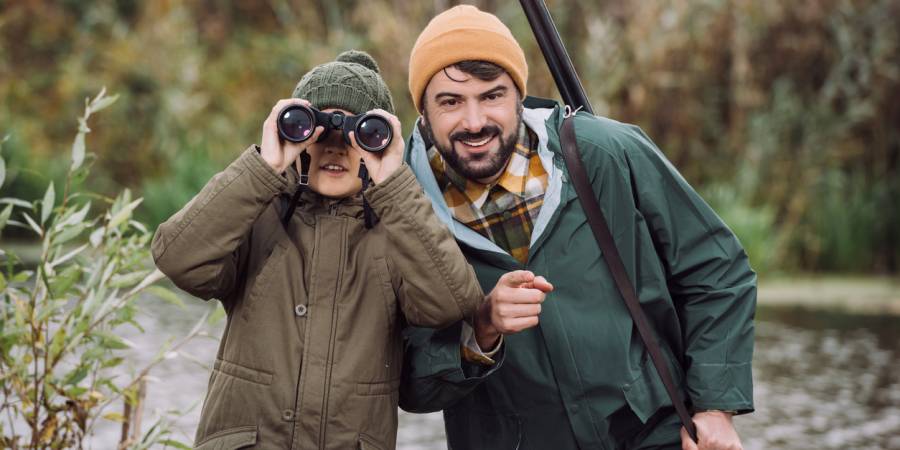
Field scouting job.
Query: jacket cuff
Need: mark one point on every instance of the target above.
(256, 165)
(724, 387)
(402, 180)
(472, 352)
(446, 357)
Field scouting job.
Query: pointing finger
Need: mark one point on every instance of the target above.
(541, 283)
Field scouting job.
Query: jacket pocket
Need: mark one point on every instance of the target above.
(234, 402)
(230, 439)
(383, 388)
(244, 373)
(387, 290)
(367, 442)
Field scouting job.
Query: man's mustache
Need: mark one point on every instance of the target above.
(487, 131)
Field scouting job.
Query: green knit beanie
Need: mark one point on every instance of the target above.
(351, 82)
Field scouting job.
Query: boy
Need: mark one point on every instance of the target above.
(316, 291)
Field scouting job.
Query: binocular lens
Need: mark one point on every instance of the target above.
(374, 133)
(296, 123)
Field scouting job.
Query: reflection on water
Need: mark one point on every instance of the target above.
(825, 380)
(822, 381)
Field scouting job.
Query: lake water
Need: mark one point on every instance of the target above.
(822, 380)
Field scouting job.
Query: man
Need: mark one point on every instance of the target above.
(552, 359)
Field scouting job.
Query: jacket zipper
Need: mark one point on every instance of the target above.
(328, 360)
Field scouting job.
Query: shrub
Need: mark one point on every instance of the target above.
(60, 353)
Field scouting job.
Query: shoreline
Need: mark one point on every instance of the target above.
(870, 295)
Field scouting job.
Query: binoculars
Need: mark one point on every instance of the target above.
(373, 132)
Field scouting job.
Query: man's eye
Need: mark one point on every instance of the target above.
(450, 102)
(490, 97)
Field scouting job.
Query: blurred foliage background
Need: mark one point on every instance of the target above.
(785, 115)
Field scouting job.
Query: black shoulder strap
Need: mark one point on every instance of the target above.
(604, 238)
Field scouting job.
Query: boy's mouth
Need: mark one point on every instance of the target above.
(332, 168)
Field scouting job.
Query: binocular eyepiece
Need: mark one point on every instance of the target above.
(373, 132)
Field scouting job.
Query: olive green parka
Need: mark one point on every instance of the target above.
(311, 353)
(558, 384)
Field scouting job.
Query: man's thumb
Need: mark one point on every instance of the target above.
(516, 278)
(686, 442)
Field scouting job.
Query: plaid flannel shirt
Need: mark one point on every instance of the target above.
(503, 211)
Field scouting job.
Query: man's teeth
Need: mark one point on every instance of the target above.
(478, 143)
(333, 167)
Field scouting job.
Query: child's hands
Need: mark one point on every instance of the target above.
(281, 153)
(382, 164)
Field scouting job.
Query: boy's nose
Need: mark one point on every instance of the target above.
(336, 149)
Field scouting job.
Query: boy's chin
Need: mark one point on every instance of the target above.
(337, 192)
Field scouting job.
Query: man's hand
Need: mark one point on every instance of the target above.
(512, 306)
(715, 431)
(382, 164)
(278, 153)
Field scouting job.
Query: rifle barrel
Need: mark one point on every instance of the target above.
(558, 61)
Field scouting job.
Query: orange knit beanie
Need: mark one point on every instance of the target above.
(464, 33)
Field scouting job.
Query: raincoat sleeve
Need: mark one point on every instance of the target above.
(709, 278)
(201, 247)
(435, 286)
(435, 375)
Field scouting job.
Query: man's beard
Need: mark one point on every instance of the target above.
(481, 166)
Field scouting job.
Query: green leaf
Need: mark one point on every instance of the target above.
(4, 216)
(166, 295)
(124, 214)
(34, 226)
(77, 152)
(2, 282)
(22, 276)
(128, 279)
(111, 341)
(78, 217)
(174, 443)
(75, 391)
(65, 280)
(114, 416)
(76, 376)
(2, 171)
(112, 362)
(97, 236)
(92, 354)
(44, 311)
(15, 201)
(47, 203)
(58, 342)
(68, 256)
(101, 103)
(69, 233)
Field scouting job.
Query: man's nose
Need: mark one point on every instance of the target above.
(474, 119)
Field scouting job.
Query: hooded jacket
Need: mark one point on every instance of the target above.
(311, 353)
(556, 385)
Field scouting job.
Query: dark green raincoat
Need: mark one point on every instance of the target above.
(556, 385)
